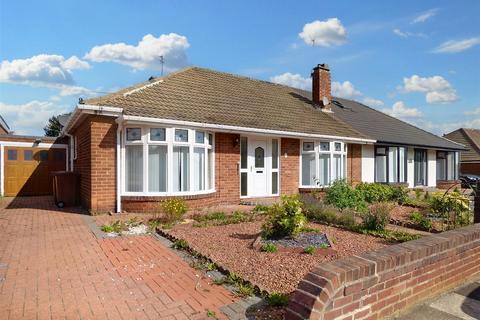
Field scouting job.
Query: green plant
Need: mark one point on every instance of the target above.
(453, 206)
(106, 228)
(418, 193)
(203, 264)
(285, 219)
(342, 195)
(116, 227)
(398, 194)
(261, 208)
(309, 250)
(211, 314)
(324, 246)
(346, 218)
(245, 290)
(269, 247)
(389, 235)
(180, 244)
(173, 209)
(233, 279)
(378, 216)
(277, 299)
(374, 192)
(420, 219)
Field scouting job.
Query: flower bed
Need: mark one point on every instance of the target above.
(231, 248)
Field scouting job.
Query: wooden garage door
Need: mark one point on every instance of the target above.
(27, 170)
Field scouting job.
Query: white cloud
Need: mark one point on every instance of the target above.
(293, 80)
(371, 102)
(406, 34)
(345, 90)
(442, 128)
(146, 54)
(454, 46)
(425, 16)
(31, 117)
(437, 89)
(326, 33)
(475, 112)
(401, 111)
(41, 70)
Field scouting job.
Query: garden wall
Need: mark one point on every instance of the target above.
(381, 283)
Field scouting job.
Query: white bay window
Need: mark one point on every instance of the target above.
(322, 162)
(167, 161)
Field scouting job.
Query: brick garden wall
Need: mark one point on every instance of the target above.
(381, 283)
(289, 165)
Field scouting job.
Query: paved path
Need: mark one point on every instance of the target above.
(53, 267)
(462, 303)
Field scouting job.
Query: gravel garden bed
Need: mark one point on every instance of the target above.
(231, 247)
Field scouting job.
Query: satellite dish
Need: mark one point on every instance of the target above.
(325, 101)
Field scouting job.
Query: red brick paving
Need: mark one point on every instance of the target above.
(53, 267)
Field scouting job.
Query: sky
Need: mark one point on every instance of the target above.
(416, 60)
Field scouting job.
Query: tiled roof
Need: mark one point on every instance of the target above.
(471, 139)
(384, 128)
(206, 96)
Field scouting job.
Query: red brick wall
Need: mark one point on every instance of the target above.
(471, 168)
(354, 163)
(96, 162)
(382, 283)
(3, 131)
(289, 165)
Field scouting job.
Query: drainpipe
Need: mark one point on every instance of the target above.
(119, 165)
(71, 150)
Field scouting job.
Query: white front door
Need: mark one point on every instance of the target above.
(257, 165)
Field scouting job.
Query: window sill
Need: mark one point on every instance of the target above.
(149, 196)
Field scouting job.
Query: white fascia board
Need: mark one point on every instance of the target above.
(91, 109)
(236, 129)
(32, 144)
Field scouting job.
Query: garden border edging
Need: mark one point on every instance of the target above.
(384, 282)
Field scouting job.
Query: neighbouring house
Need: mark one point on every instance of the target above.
(216, 138)
(469, 159)
(26, 162)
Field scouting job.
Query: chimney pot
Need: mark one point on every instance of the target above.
(321, 86)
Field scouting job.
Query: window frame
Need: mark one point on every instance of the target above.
(455, 163)
(387, 159)
(170, 142)
(331, 152)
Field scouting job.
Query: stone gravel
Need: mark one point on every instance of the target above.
(303, 240)
(230, 246)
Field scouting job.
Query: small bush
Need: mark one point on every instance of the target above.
(374, 192)
(346, 218)
(277, 299)
(180, 244)
(342, 195)
(309, 250)
(452, 206)
(261, 208)
(117, 227)
(420, 219)
(285, 219)
(399, 194)
(378, 217)
(245, 290)
(173, 209)
(269, 247)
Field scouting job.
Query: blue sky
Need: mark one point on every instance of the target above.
(417, 60)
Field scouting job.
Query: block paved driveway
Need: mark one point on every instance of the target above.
(53, 267)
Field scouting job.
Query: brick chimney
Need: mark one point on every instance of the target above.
(321, 87)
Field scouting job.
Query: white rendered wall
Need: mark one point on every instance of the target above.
(410, 168)
(368, 163)
(432, 168)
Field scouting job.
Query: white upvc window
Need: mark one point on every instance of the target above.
(322, 162)
(167, 161)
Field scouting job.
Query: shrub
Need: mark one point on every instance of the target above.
(269, 247)
(378, 217)
(342, 195)
(180, 244)
(245, 290)
(174, 209)
(399, 194)
(260, 208)
(374, 192)
(284, 219)
(453, 206)
(346, 218)
(117, 227)
(277, 299)
(309, 250)
(420, 219)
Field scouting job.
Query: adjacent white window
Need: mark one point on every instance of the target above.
(390, 164)
(447, 168)
(168, 161)
(322, 162)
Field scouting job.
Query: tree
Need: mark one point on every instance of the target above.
(53, 127)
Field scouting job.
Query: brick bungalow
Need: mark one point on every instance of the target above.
(215, 138)
(469, 159)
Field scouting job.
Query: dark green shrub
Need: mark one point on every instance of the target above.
(420, 219)
(378, 217)
(399, 194)
(342, 195)
(374, 192)
(346, 218)
(453, 206)
(284, 219)
(173, 209)
(277, 299)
